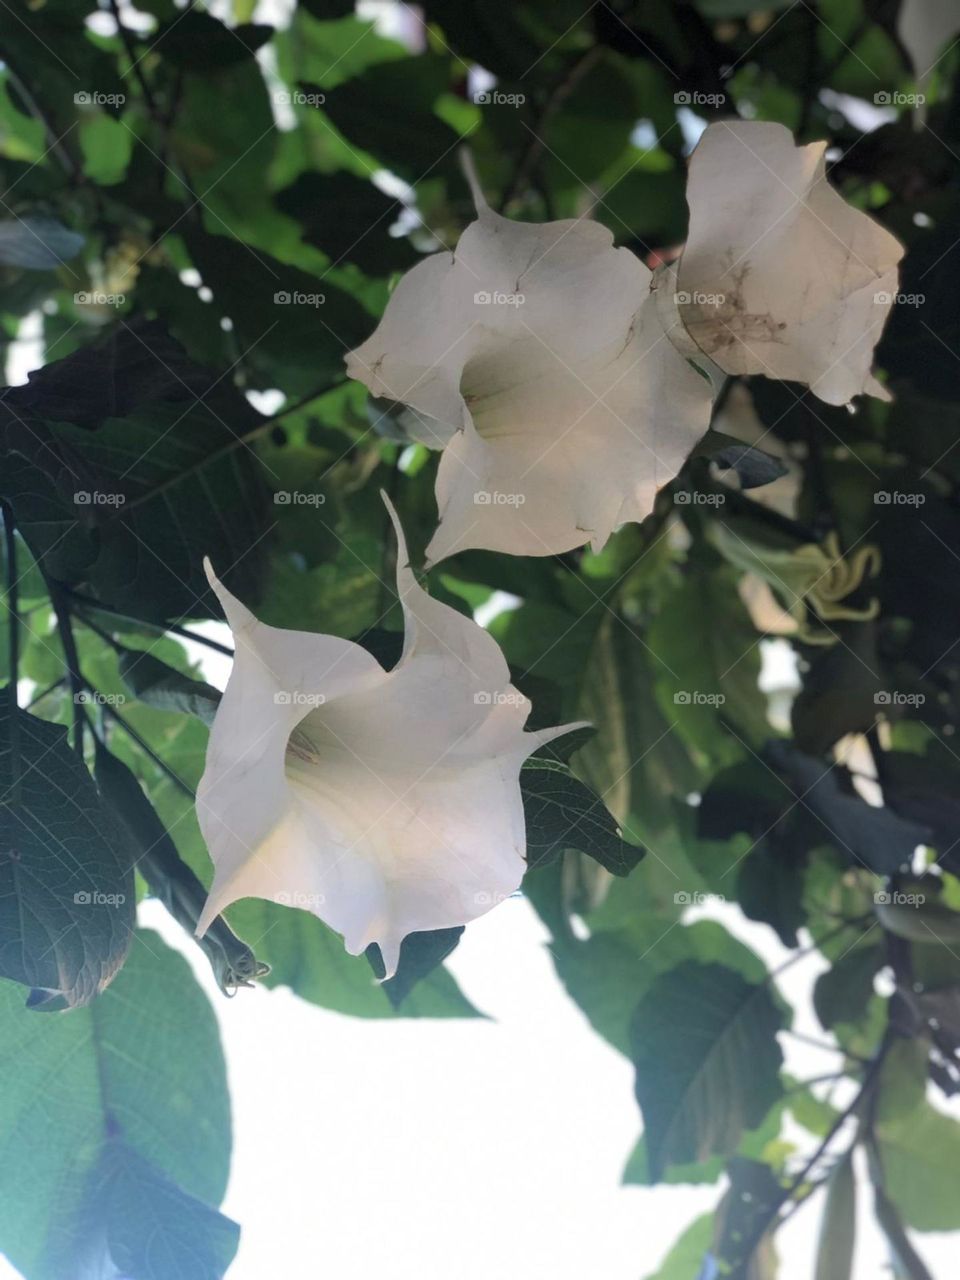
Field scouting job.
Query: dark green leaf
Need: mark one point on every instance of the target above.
(707, 1059)
(562, 813)
(66, 869)
(153, 682)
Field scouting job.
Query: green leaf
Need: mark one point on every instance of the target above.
(842, 994)
(66, 871)
(707, 1059)
(683, 1262)
(153, 682)
(420, 955)
(131, 472)
(195, 41)
(169, 877)
(152, 1229)
(306, 956)
(838, 1226)
(708, 665)
(139, 1109)
(562, 813)
(918, 1147)
(388, 112)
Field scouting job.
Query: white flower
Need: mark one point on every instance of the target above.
(535, 356)
(780, 275)
(384, 802)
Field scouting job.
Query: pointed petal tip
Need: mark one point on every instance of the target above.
(473, 182)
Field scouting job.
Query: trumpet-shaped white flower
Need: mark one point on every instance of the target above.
(384, 802)
(780, 275)
(535, 356)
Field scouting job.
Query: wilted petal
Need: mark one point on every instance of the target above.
(780, 275)
(537, 355)
(385, 802)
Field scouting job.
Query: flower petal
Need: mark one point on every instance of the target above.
(538, 356)
(391, 806)
(780, 275)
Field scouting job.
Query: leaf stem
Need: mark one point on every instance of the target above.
(61, 609)
(173, 628)
(13, 625)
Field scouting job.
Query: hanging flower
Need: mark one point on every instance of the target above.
(384, 802)
(536, 358)
(780, 275)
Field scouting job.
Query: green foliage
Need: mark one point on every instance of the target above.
(197, 220)
(129, 1142)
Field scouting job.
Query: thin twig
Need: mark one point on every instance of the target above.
(183, 632)
(13, 632)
